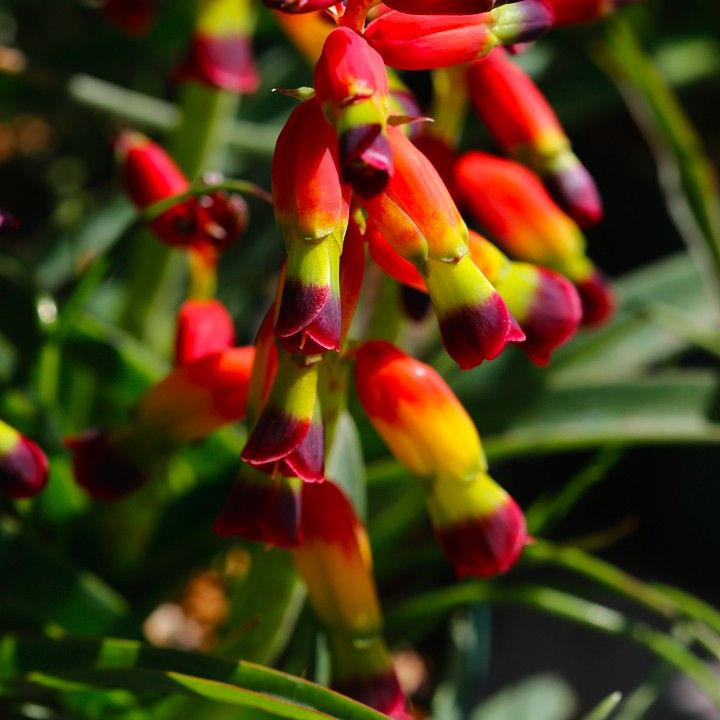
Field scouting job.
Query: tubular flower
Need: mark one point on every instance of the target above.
(524, 125)
(335, 563)
(23, 465)
(312, 211)
(427, 42)
(133, 16)
(262, 508)
(193, 401)
(351, 85)
(480, 528)
(196, 399)
(512, 204)
(419, 219)
(220, 53)
(207, 223)
(568, 12)
(204, 327)
(288, 438)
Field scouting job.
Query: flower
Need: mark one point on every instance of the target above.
(334, 561)
(220, 54)
(525, 126)
(207, 223)
(420, 221)
(512, 204)
(479, 526)
(312, 212)
(351, 85)
(441, 7)
(23, 465)
(288, 438)
(426, 42)
(203, 328)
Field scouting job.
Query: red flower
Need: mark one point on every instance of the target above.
(23, 465)
(203, 328)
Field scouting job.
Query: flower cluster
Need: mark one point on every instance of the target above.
(356, 176)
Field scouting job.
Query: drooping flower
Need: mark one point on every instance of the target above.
(208, 223)
(312, 210)
(335, 563)
(479, 526)
(190, 403)
(203, 328)
(351, 85)
(427, 42)
(220, 53)
(525, 126)
(288, 438)
(23, 465)
(421, 222)
(512, 204)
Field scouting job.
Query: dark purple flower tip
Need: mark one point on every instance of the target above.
(574, 189)
(366, 159)
(262, 509)
(554, 316)
(486, 546)
(275, 436)
(597, 298)
(472, 334)
(102, 467)
(381, 692)
(321, 334)
(23, 469)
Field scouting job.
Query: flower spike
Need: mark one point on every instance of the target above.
(288, 438)
(428, 42)
(525, 126)
(511, 203)
(351, 85)
(220, 54)
(23, 465)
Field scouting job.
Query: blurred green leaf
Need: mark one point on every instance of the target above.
(75, 663)
(606, 708)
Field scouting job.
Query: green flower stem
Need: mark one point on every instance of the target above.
(419, 614)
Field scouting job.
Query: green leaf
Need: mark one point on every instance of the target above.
(542, 697)
(686, 173)
(72, 663)
(72, 599)
(670, 408)
(345, 464)
(606, 708)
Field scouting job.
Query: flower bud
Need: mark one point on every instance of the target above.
(514, 207)
(133, 16)
(479, 526)
(220, 53)
(262, 508)
(568, 12)
(288, 438)
(352, 87)
(428, 42)
(23, 465)
(524, 125)
(204, 327)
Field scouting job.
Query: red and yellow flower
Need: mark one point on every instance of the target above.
(23, 465)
